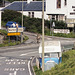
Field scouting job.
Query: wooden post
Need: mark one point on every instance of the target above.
(74, 45)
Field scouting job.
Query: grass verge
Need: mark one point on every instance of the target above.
(6, 41)
(67, 67)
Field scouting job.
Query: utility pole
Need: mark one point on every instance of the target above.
(22, 24)
(3, 3)
(43, 35)
(50, 24)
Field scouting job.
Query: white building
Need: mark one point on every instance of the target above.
(61, 9)
(55, 9)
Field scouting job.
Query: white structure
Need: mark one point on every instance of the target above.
(61, 9)
(55, 9)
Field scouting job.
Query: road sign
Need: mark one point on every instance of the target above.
(20, 29)
(11, 30)
(70, 25)
(13, 34)
(15, 30)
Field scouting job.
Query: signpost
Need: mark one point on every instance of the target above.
(70, 23)
(11, 30)
(14, 32)
(22, 24)
(43, 35)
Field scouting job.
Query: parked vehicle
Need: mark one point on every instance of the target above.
(11, 24)
(52, 54)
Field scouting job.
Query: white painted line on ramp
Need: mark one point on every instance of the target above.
(28, 53)
(29, 68)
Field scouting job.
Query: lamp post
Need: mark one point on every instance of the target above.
(43, 35)
(3, 3)
(22, 24)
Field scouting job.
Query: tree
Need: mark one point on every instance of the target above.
(2, 3)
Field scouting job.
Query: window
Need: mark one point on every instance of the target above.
(50, 55)
(58, 3)
(32, 14)
(29, 14)
(65, 2)
(53, 17)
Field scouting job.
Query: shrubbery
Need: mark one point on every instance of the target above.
(3, 32)
(31, 24)
(34, 24)
(70, 35)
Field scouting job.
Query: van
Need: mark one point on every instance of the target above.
(52, 54)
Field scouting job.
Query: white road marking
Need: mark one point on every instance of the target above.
(15, 72)
(14, 62)
(11, 74)
(22, 62)
(29, 68)
(17, 69)
(28, 53)
(2, 57)
(31, 58)
(19, 62)
(6, 69)
(17, 59)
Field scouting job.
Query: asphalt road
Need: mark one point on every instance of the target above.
(15, 60)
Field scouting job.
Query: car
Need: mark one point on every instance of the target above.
(10, 24)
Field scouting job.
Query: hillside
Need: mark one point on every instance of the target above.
(67, 67)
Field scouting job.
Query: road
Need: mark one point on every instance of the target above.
(15, 60)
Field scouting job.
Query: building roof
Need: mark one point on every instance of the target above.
(32, 6)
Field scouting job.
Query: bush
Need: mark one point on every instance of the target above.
(3, 32)
(70, 35)
(31, 24)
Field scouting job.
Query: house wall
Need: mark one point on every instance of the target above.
(52, 8)
(37, 14)
(70, 9)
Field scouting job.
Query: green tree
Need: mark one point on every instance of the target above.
(2, 2)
